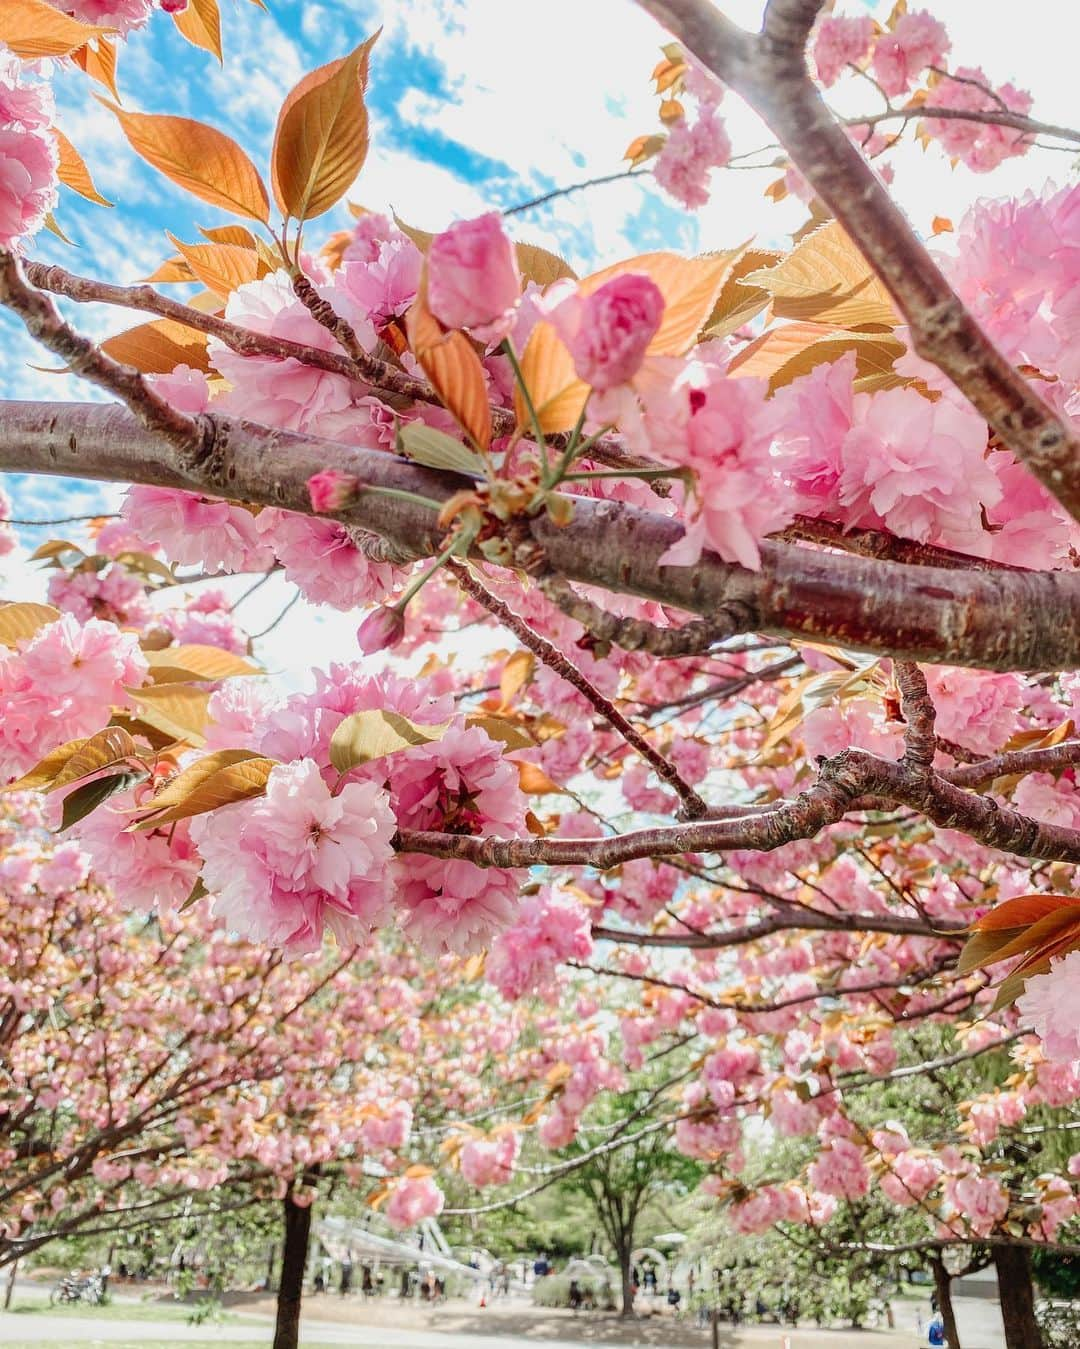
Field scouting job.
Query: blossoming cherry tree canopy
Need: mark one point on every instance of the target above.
(776, 749)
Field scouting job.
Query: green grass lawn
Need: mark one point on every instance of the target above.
(112, 1311)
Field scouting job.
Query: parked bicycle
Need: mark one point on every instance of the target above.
(80, 1288)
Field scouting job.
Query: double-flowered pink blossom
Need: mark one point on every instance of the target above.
(841, 41)
(917, 41)
(840, 1170)
(472, 277)
(458, 784)
(981, 146)
(548, 928)
(58, 686)
(722, 429)
(690, 153)
(982, 1201)
(609, 331)
(28, 154)
(412, 1200)
(323, 560)
(1050, 1004)
(490, 1161)
(298, 860)
(197, 531)
(123, 15)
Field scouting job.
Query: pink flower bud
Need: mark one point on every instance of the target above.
(331, 489)
(383, 628)
(473, 280)
(174, 6)
(609, 331)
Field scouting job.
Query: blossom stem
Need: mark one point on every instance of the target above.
(511, 356)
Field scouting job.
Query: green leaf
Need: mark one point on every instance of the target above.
(435, 449)
(85, 799)
(371, 735)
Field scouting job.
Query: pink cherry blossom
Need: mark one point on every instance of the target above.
(1050, 1004)
(124, 15)
(286, 865)
(981, 146)
(919, 469)
(28, 164)
(114, 593)
(302, 727)
(490, 1161)
(840, 1170)
(726, 430)
(196, 530)
(413, 1200)
(548, 928)
(28, 105)
(56, 686)
(980, 1200)
(453, 905)
(917, 41)
(322, 559)
(382, 287)
(284, 392)
(974, 708)
(609, 331)
(690, 153)
(151, 869)
(841, 41)
(472, 279)
(909, 1178)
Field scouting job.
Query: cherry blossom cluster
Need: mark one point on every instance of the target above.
(28, 152)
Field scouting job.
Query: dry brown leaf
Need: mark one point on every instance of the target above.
(20, 621)
(73, 173)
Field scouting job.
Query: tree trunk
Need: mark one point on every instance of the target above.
(943, 1288)
(626, 1274)
(291, 1284)
(1017, 1294)
(10, 1284)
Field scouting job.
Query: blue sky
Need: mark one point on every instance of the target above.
(474, 103)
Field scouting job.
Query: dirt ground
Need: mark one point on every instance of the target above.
(515, 1317)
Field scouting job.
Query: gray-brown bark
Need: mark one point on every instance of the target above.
(1002, 621)
(1017, 1296)
(943, 1289)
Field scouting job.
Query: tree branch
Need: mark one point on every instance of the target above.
(554, 659)
(769, 71)
(999, 621)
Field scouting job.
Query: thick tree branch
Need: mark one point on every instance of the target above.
(1006, 621)
(843, 782)
(769, 71)
(358, 365)
(181, 432)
